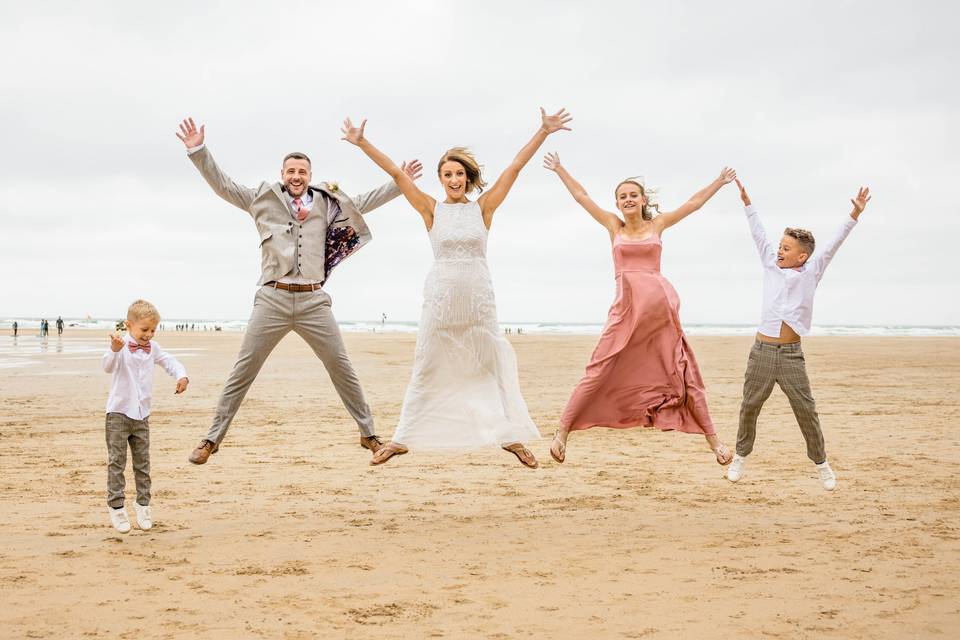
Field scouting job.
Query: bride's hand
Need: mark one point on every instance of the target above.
(555, 122)
(352, 134)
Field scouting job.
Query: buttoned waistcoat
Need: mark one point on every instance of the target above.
(333, 230)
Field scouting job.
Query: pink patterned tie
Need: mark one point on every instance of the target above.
(301, 210)
(134, 346)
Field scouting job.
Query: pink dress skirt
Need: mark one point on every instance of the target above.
(643, 371)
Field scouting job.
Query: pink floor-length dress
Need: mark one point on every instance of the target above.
(643, 371)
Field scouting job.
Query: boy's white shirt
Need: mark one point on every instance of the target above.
(788, 293)
(131, 387)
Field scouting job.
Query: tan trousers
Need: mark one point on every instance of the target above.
(782, 364)
(123, 431)
(275, 314)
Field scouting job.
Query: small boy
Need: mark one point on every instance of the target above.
(131, 359)
(790, 279)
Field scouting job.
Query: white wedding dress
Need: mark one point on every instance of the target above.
(464, 391)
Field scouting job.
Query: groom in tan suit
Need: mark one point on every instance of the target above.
(305, 231)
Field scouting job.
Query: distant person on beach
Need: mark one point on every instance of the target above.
(304, 232)
(131, 359)
(643, 371)
(59, 326)
(44, 328)
(15, 327)
(465, 390)
(791, 273)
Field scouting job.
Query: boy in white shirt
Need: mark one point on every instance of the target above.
(791, 274)
(131, 359)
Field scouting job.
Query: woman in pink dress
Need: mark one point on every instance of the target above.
(642, 372)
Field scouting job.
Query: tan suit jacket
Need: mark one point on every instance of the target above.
(332, 231)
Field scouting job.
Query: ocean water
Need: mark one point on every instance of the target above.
(30, 327)
(30, 350)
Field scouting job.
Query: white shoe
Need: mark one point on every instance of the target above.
(119, 519)
(735, 470)
(143, 516)
(827, 477)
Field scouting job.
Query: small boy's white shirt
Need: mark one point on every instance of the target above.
(131, 387)
(788, 293)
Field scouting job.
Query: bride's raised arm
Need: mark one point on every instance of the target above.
(420, 201)
(498, 192)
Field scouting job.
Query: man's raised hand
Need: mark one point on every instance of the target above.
(413, 169)
(189, 135)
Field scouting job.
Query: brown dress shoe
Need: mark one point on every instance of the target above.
(374, 443)
(203, 451)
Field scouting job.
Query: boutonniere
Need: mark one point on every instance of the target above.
(333, 187)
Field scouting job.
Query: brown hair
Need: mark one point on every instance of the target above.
(648, 209)
(296, 155)
(804, 237)
(141, 309)
(470, 165)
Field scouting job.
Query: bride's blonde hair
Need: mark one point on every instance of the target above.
(648, 193)
(470, 165)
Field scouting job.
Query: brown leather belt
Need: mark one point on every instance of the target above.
(292, 288)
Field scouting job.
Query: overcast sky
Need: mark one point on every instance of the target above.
(807, 100)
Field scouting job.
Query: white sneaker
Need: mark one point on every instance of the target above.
(827, 477)
(143, 516)
(735, 470)
(119, 519)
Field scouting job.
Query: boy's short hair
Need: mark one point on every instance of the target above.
(141, 309)
(804, 237)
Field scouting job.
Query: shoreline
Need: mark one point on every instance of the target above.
(555, 329)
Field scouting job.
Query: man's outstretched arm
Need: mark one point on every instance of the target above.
(193, 139)
(369, 201)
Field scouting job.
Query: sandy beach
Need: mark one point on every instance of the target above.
(288, 532)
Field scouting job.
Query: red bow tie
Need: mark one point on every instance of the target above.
(134, 346)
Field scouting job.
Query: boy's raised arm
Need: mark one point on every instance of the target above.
(768, 254)
(830, 249)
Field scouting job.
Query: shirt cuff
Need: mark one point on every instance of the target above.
(193, 150)
(749, 210)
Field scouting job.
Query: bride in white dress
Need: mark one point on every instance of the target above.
(464, 391)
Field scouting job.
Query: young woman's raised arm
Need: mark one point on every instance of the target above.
(494, 197)
(697, 200)
(609, 220)
(420, 201)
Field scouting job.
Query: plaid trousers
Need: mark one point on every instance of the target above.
(782, 364)
(121, 431)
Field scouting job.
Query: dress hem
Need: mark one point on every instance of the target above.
(634, 424)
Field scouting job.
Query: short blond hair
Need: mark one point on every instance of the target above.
(470, 166)
(140, 310)
(803, 237)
